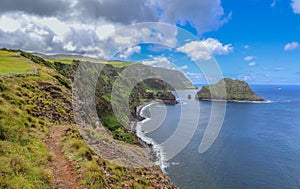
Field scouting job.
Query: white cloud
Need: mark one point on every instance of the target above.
(163, 62)
(50, 35)
(296, 6)
(273, 4)
(203, 50)
(69, 47)
(185, 67)
(195, 76)
(278, 69)
(252, 63)
(291, 46)
(160, 61)
(8, 24)
(130, 51)
(203, 15)
(104, 30)
(83, 27)
(249, 58)
(246, 46)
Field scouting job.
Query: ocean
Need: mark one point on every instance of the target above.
(258, 146)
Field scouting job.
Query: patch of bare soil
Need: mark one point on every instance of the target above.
(64, 172)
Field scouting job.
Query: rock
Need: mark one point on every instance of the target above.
(229, 90)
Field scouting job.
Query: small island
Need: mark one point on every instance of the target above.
(234, 91)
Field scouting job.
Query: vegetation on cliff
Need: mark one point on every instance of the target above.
(230, 90)
(33, 105)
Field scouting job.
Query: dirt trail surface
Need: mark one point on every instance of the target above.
(64, 172)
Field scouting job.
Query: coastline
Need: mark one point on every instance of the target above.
(154, 150)
(237, 101)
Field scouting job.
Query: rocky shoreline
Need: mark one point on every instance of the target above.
(153, 154)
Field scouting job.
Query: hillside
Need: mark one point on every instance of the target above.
(229, 90)
(40, 145)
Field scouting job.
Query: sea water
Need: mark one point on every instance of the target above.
(257, 147)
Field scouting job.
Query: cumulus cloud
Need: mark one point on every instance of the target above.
(296, 6)
(160, 61)
(291, 46)
(35, 7)
(246, 46)
(130, 51)
(82, 26)
(249, 58)
(50, 35)
(203, 50)
(184, 67)
(203, 15)
(195, 76)
(29, 37)
(125, 12)
(252, 63)
(163, 62)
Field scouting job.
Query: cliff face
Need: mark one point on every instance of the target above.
(229, 90)
(150, 89)
(37, 126)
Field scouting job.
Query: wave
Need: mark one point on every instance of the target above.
(254, 102)
(157, 149)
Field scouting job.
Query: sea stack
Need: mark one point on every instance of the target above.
(228, 90)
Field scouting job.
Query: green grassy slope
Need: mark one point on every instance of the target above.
(23, 156)
(13, 63)
(68, 59)
(29, 106)
(230, 90)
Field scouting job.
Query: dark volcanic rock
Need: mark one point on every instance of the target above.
(229, 90)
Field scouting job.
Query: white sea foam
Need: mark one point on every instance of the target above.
(158, 150)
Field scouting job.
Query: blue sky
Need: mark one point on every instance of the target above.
(252, 40)
(266, 30)
(258, 32)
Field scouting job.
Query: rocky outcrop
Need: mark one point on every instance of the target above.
(229, 90)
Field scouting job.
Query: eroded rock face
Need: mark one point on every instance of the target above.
(229, 90)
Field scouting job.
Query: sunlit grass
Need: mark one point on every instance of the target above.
(117, 64)
(13, 63)
(64, 60)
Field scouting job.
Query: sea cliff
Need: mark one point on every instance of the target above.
(40, 144)
(228, 90)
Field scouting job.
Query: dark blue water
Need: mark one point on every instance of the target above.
(258, 145)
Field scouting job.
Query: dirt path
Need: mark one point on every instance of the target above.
(64, 172)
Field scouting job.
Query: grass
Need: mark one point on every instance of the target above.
(64, 60)
(24, 158)
(69, 61)
(99, 173)
(23, 155)
(12, 63)
(27, 109)
(119, 64)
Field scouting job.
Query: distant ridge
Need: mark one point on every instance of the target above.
(70, 56)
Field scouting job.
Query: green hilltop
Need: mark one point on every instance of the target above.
(229, 90)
